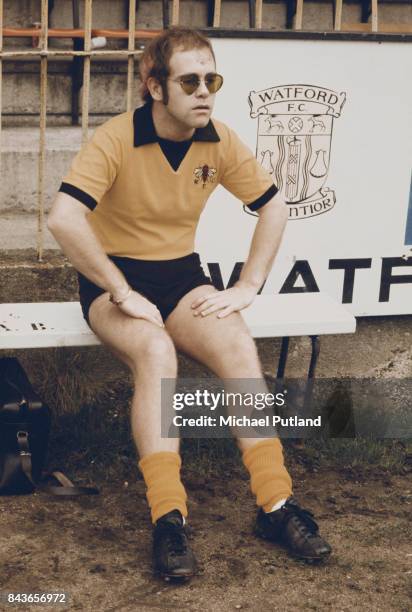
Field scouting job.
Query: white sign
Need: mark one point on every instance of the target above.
(331, 122)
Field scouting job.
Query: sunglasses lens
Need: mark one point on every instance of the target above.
(190, 83)
(214, 82)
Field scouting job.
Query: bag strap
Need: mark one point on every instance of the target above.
(67, 488)
(25, 454)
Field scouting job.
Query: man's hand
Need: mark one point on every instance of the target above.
(139, 307)
(231, 300)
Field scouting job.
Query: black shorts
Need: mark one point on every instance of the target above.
(163, 282)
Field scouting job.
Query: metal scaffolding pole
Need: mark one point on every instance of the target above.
(258, 14)
(216, 14)
(1, 74)
(175, 12)
(86, 68)
(130, 60)
(374, 15)
(43, 119)
(299, 15)
(61, 53)
(337, 22)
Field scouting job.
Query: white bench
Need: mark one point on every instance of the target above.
(47, 324)
(60, 324)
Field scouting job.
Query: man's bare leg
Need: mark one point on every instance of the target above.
(149, 352)
(225, 345)
(227, 348)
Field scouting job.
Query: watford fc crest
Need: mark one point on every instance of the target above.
(295, 124)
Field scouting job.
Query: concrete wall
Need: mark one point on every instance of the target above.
(20, 165)
(21, 84)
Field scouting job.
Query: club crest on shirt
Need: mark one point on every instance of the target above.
(204, 174)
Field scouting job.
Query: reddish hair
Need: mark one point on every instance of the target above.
(156, 57)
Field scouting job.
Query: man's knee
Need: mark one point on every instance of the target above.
(155, 350)
(159, 346)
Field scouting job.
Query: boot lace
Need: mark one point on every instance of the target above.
(302, 518)
(176, 542)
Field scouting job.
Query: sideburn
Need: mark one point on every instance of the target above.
(165, 93)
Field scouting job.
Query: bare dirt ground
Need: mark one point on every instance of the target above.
(97, 549)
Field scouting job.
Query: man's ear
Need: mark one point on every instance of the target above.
(155, 89)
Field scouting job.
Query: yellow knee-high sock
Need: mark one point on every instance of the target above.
(165, 491)
(269, 479)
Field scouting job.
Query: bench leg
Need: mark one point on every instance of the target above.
(307, 397)
(315, 341)
(283, 357)
(307, 400)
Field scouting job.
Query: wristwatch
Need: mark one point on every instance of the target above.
(123, 299)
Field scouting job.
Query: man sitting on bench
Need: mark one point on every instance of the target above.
(126, 216)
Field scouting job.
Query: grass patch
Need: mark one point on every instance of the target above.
(358, 453)
(89, 394)
(70, 378)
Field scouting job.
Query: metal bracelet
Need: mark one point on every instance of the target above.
(118, 302)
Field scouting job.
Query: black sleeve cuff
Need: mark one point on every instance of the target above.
(78, 194)
(264, 199)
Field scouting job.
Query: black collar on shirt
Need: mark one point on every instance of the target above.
(145, 133)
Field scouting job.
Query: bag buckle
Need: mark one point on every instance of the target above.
(22, 439)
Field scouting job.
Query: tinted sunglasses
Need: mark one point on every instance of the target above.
(191, 82)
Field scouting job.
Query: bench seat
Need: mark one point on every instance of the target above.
(54, 324)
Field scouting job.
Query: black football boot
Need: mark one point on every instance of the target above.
(294, 528)
(172, 556)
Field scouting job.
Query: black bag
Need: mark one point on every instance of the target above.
(24, 436)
